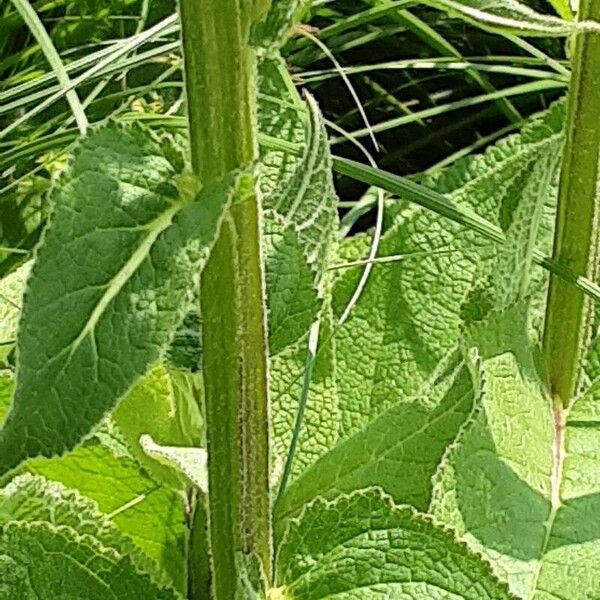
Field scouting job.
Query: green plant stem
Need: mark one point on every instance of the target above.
(576, 241)
(220, 74)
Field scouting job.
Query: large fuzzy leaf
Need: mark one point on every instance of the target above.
(401, 420)
(363, 546)
(43, 526)
(153, 516)
(411, 312)
(109, 285)
(281, 115)
(519, 483)
(399, 451)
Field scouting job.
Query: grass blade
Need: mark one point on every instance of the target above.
(41, 35)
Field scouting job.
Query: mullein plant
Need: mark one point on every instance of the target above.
(202, 409)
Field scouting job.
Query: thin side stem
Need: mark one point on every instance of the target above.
(220, 74)
(576, 241)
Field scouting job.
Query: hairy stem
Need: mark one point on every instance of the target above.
(220, 82)
(569, 312)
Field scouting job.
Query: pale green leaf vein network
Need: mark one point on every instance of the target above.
(520, 165)
(519, 484)
(150, 514)
(402, 464)
(362, 545)
(115, 285)
(409, 315)
(110, 284)
(461, 266)
(44, 525)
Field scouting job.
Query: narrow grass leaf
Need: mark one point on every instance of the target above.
(38, 30)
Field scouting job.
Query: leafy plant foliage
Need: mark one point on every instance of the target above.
(133, 256)
(333, 548)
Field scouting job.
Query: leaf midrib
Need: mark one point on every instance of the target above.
(558, 463)
(120, 279)
(349, 474)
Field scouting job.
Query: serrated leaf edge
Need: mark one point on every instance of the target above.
(394, 507)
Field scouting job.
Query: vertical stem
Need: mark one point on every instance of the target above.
(220, 82)
(569, 312)
(198, 580)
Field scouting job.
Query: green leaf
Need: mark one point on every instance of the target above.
(408, 318)
(516, 485)
(317, 424)
(399, 451)
(185, 350)
(521, 483)
(292, 294)
(189, 461)
(6, 388)
(23, 212)
(29, 499)
(108, 287)
(160, 406)
(411, 312)
(11, 298)
(34, 556)
(281, 116)
(363, 546)
(511, 273)
(54, 544)
(291, 281)
(506, 15)
(496, 482)
(151, 515)
(306, 200)
(300, 227)
(272, 32)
